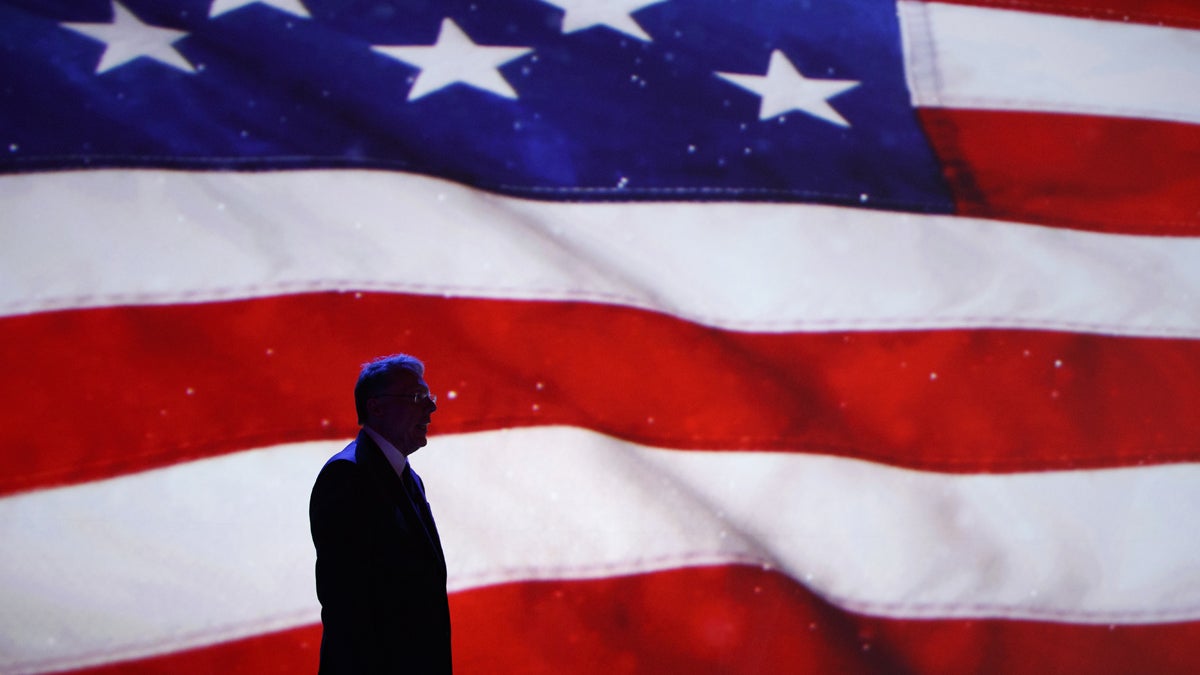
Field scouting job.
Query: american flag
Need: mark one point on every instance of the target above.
(839, 336)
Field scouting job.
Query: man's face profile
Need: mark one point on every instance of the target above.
(397, 417)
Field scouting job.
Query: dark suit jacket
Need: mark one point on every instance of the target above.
(381, 574)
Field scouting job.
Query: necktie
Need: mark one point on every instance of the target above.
(417, 498)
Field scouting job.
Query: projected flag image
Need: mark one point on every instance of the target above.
(754, 336)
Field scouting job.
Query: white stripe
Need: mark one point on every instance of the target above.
(216, 549)
(117, 237)
(960, 56)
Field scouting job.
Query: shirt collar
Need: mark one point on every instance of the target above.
(394, 456)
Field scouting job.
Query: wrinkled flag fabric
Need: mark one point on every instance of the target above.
(769, 337)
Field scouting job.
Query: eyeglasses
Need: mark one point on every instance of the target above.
(416, 397)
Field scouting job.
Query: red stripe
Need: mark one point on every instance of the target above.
(1091, 173)
(729, 620)
(100, 392)
(1179, 13)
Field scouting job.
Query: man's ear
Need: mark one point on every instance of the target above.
(373, 408)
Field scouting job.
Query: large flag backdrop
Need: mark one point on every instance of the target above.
(771, 337)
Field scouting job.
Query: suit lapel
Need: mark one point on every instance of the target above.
(422, 505)
(415, 509)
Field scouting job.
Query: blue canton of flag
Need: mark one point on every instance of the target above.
(555, 99)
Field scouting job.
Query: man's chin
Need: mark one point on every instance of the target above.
(416, 442)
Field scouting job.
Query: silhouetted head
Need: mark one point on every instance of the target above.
(392, 398)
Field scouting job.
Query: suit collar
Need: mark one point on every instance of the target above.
(369, 455)
(393, 456)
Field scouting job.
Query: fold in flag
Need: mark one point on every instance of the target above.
(770, 337)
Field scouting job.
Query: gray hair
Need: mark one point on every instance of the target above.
(380, 373)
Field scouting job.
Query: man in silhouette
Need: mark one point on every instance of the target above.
(381, 574)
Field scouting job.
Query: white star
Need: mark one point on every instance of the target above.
(454, 57)
(296, 7)
(784, 88)
(127, 38)
(616, 14)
